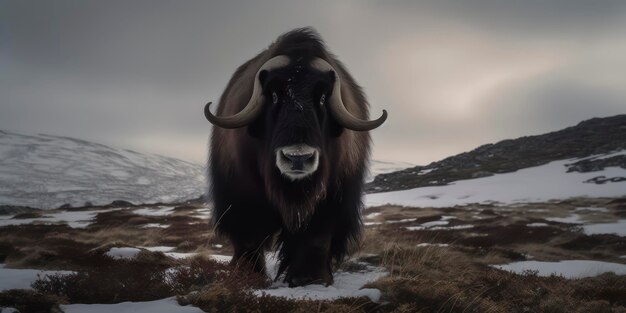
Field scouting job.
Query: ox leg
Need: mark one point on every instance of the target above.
(333, 230)
(251, 234)
(249, 254)
(306, 259)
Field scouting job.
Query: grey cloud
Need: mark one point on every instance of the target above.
(534, 18)
(137, 73)
(552, 103)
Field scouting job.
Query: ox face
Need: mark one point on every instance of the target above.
(295, 120)
(296, 107)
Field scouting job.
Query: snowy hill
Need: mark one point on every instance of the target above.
(591, 137)
(46, 172)
(552, 181)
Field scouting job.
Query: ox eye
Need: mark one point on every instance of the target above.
(322, 99)
(274, 97)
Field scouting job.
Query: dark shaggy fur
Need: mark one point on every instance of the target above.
(314, 221)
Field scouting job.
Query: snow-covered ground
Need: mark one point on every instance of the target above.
(123, 252)
(536, 184)
(347, 284)
(46, 172)
(161, 211)
(155, 225)
(617, 228)
(11, 278)
(74, 219)
(168, 305)
(132, 252)
(567, 268)
(159, 248)
(82, 219)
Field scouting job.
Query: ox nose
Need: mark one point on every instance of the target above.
(297, 161)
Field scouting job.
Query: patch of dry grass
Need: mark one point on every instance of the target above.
(431, 279)
(149, 276)
(421, 279)
(220, 298)
(29, 301)
(109, 281)
(62, 247)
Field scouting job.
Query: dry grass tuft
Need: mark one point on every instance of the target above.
(218, 298)
(29, 301)
(445, 282)
(109, 281)
(201, 271)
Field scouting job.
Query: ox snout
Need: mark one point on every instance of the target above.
(297, 161)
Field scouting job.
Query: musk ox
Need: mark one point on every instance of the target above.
(288, 153)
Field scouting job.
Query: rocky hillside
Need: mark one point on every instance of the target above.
(590, 137)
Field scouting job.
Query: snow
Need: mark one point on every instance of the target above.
(425, 244)
(168, 305)
(123, 253)
(180, 255)
(591, 209)
(536, 225)
(536, 184)
(372, 215)
(221, 258)
(202, 217)
(204, 214)
(618, 228)
(431, 227)
(46, 172)
(155, 225)
(404, 220)
(160, 211)
(347, 284)
(605, 156)
(572, 219)
(435, 223)
(22, 278)
(426, 171)
(159, 248)
(567, 268)
(74, 219)
(131, 252)
(439, 225)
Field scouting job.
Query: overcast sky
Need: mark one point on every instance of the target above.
(452, 74)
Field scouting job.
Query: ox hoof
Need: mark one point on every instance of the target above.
(297, 281)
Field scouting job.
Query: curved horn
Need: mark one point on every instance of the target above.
(254, 106)
(338, 109)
